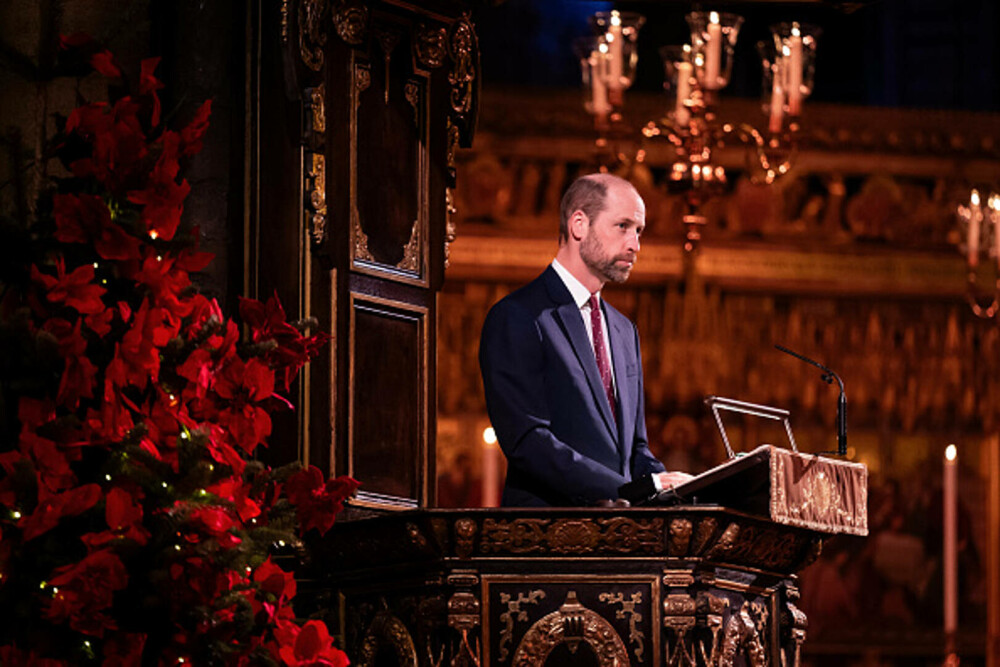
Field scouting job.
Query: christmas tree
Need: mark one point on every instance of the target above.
(135, 525)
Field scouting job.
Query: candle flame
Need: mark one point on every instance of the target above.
(713, 17)
(609, 37)
(974, 199)
(795, 30)
(994, 202)
(951, 452)
(489, 435)
(616, 18)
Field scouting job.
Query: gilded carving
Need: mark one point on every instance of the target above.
(463, 71)
(387, 630)
(412, 93)
(362, 80)
(284, 21)
(796, 622)
(317, 106)
(514, 612)
(679, 620)
(463, 611)
(450, 233)
(465, 533)
(572, 624)
(745, 635)
(411, 252)
(677, 578)
(387, 39)
(706, 528)
(711, 609)
(680, 537)
(317, 197)
(312, 37)
(350, 20)
(361, 243)
(431, 46)
(635, 635)
(726, 542)
(573, 536)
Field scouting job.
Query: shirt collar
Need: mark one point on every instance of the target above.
(580, 294)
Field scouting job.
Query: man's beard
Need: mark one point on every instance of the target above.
(604, 265)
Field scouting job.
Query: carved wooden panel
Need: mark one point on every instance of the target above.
(389, 153)
(388, 406)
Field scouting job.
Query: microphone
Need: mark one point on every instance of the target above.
(828, 377)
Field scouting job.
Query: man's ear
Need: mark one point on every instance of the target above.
(578, 223)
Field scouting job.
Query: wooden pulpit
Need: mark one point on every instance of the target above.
(689, 585)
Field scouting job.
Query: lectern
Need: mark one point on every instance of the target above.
(689, 585)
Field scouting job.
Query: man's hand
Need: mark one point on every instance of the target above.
(671, 479)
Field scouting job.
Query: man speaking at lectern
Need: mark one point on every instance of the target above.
(562, 369)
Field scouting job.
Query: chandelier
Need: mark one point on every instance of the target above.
(696, 73)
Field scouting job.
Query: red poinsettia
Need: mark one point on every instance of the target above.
(83, 591)
(267, 322)
(76, 289)
(318, 501)
(50, 511)
(87, 219)
(307, 646)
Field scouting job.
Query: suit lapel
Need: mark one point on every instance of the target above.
(620, 360)
(572, 323)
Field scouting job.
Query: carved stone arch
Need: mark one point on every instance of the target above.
(387, 634)
(571, 624)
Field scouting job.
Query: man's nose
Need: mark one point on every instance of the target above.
(632, 242)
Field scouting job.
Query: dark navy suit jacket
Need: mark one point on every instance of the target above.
(547, 404)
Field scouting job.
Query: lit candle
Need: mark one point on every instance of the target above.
(598, 89)
(994, 204)
(713, 56)
(795, 72)
(777, 98)
(615, 42)
(681, 112)
(950, 544)
(975, 215)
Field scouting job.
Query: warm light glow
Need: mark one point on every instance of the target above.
(609, 37)
(974, 199)
(489, 436)
(994, 201)
(713, 17)
(951, 452)
(795, 30)
(153, 234)
(785, 51)
(603, 48)
(616, 18)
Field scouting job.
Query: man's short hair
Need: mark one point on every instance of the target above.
(586, 194)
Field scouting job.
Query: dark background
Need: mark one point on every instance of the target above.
(932, 54)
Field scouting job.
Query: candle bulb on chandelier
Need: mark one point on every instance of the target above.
(681, 112)
(973, 239)
(777, 97)
(598, 89)
(713, 57)
(614, 39)
(795, 71)
(950, 555)
(994, 208)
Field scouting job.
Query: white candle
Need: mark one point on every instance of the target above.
(615, 43)
(795, 72)
(950, 543)
(598, 89)
(681, 112)
(713, 56)
(975, 215)
(994, 205)
(777, 99)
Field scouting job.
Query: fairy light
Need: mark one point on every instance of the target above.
(153, 234)
(16, 514)
(107, 477)
(163, 484)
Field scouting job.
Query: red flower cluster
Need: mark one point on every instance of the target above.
(129, 478)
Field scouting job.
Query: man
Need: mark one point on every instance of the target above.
(561, 368)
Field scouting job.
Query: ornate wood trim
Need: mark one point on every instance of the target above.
(350, 20)
(312, 35)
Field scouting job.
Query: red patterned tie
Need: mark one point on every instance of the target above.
(600, 351)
